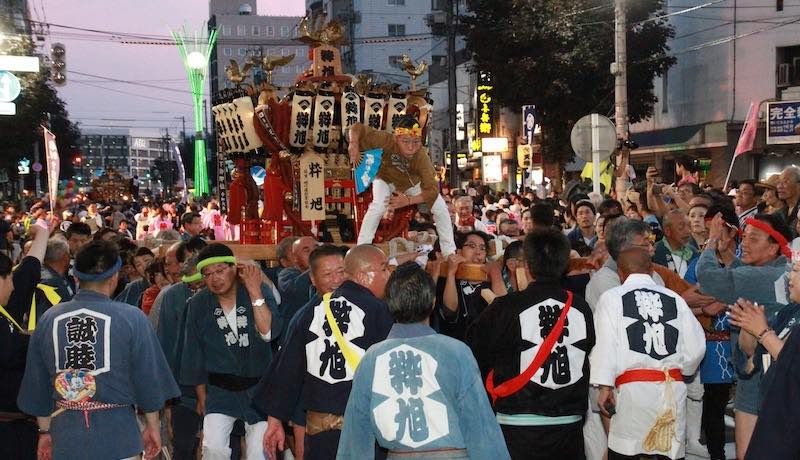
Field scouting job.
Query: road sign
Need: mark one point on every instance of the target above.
(594, 138)
(593, 132)
(9, 86)
(37, 167)
(24, 166)
(8, 108)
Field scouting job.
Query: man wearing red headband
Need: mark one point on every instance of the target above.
(406, 177)
(757, 276)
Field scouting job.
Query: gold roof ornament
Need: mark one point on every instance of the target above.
(235, 75)
(413, 69)
(270, 63)
(314, 31)
(363, 83)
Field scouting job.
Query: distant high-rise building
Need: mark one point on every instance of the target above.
(379, 33)
(243, 34)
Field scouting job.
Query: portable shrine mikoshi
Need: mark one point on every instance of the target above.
(310, 187)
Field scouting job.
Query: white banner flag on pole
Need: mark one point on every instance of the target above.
(53, 165)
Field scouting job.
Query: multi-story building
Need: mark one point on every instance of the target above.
(102, 150)
(728, 55)
(379, 32)
(129, 152)
(243, 34)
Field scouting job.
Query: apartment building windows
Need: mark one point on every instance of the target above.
(397, 30)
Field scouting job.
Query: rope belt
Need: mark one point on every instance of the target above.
(661, 434)
(83, 406)
(446, 452)
(647, 375)
(318, 422)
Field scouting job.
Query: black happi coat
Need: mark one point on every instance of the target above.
(507, 336)
(311, 368)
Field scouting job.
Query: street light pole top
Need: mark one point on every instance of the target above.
(196, 60)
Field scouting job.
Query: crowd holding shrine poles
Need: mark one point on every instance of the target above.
(512, 346)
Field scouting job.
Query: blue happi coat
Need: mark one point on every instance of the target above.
(419, 391)
(765, 285)
(210, 346)
(171, 304)
(95, 337)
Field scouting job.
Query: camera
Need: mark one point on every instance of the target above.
(658, 189)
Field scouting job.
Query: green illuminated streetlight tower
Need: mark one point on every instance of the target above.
(195, 54)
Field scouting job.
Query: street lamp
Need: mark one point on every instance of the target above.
(195, 53)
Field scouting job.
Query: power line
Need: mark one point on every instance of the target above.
(656, 18)
(739, 7)
(721, 41)
(696, 32)
(135, 94)
(129, 82)
(687, 10)
(735, 37)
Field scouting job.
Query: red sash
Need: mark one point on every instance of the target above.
(509, 387)
(647, 375)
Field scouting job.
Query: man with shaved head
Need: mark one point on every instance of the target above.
(323, 350)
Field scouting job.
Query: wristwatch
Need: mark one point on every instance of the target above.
(259, 303)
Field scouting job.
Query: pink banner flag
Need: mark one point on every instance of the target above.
(53, 165)
(749, 130)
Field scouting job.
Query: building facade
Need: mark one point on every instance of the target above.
(130, 152)
(379, 32)
(243, 34)
(728, 55)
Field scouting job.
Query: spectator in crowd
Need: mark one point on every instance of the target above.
(674, 251)
(788, 189)
(756, 276)
(769, 197)
(583, 237)
(192, 225)
(746, 200)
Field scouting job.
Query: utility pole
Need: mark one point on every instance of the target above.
(452, 87)
(620, 70)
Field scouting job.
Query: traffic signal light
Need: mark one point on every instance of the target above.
(58, 63)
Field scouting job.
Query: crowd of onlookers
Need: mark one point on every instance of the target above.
(724, 252)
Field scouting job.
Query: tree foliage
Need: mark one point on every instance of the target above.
(37, 99)
(556, 54)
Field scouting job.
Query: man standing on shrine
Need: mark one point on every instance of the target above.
(647, 340)
(533, 347)
(226, 349)
(406, 177)
(84, 400)
(322, 353)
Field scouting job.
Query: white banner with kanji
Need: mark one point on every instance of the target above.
(53, 165)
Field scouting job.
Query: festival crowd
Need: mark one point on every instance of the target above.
(528, 326)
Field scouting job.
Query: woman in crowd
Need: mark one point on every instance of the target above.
(697, 222)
